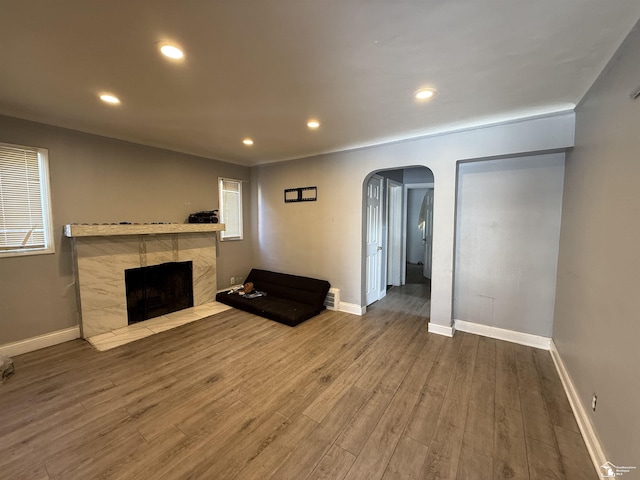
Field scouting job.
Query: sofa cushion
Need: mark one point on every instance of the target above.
(279, 309)
(290, 299)
(293, 287)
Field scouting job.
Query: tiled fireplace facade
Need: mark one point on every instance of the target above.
(103, 252)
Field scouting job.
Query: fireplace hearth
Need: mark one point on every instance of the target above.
(158, 289)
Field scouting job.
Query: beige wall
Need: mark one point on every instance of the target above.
(96, 179)
(324, 238)
(597, 315)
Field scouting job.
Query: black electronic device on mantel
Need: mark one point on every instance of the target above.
(204, 217)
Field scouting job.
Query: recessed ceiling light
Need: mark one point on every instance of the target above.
(313, 124)
(425, 93)
(108, 98)
(171, 51)
(247, 141)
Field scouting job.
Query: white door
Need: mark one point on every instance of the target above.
(373, 260)
(428, 232)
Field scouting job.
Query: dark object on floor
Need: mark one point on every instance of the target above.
(6, 367)
(290, 299)
(246, 291)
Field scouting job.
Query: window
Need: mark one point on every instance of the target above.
(25, 206)
(231, 208)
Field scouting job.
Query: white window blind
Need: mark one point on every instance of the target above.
(231, 208)
(24, 201)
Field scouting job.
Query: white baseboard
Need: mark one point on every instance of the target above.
(527, 339)
(596, 452)
(41, 341)
(441, 329)
(352, 308)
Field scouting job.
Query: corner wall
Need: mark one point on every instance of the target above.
(597, 314)
(324, 238)
(99, 180)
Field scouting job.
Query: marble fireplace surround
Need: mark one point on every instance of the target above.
(103, 252)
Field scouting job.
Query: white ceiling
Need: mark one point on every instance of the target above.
(261, 68)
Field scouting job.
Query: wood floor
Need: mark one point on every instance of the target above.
(338, 397)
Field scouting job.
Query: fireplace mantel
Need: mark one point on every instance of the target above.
(83, 230)
(102, 253)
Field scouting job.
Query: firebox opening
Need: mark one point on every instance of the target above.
(158, 290)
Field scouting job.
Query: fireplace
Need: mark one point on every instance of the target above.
(102, 253)
(158, 289)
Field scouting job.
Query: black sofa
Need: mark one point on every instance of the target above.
(290, 299)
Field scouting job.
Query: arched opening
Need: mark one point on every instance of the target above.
(398, 233)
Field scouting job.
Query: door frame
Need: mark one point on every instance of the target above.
(407, 187)
(393, 261)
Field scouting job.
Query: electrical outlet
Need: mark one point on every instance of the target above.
(594, 401)
(232, 281)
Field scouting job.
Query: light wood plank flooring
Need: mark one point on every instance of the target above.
(338, 397)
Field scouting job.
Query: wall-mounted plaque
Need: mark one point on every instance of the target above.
(302, 194)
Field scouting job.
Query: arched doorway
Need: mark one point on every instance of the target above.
(389, 225)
